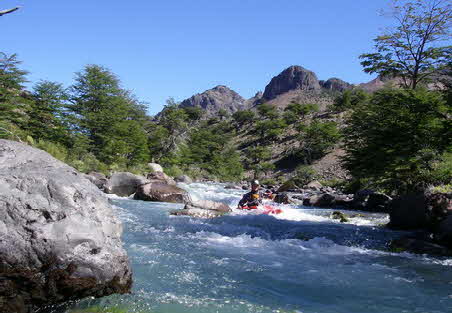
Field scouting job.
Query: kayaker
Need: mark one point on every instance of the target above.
(252, 199)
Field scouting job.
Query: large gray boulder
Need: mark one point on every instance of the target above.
(60, 239)
(124, 184)
(161, 192)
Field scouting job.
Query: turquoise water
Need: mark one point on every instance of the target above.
(299, 261)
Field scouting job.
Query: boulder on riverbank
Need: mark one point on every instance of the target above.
(161, 192)
(154, 167)
(184, 179)
(124, 184)
(59, 237)
(97, 179)
(160, 177)
(204, 209)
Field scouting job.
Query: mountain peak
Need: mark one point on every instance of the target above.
(293, 77)
(215, 99)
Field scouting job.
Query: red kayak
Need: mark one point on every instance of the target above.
(267, 209)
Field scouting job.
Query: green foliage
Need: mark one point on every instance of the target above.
(257, 160)
(295, 111)
(270, 130)
(350, 99)
(14, 102)
(411, 49)
(109, 117)
(268, 111)
(317, 139)
(47, 112)
(442, 189)
(398, 138)
(58, 151)
(303, 175)
(208, 149)
(173, 171)
(243, 117)
(194, 113)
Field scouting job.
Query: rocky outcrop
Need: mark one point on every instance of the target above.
(124, 184)
(203, 208)
(335, 84)
(161, 192)
(292, 78)
(216, 99)
(59, 237)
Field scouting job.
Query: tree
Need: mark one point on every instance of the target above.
(194, 113)
(46, 116)
(107, 115)
(395, 140)
(296, 111)
(270, 130)
(350, 99)
(317, 139)
(14, 101)
(257, 159)
(243, 117)
(268, 111)
(410, 51)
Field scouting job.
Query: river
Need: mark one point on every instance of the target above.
(298, 261)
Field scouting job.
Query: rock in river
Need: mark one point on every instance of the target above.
(162, 192)
(203, 208)
(124, 184)
(60, 239)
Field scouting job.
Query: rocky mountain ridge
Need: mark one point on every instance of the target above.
(295, 83)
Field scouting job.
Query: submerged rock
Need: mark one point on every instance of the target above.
(204, 209)
(60, 239)
(161, 192)
(337, 215)
(418, 246)
(124, 184)
(282, 198)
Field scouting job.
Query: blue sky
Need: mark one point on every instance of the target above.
(176, 48)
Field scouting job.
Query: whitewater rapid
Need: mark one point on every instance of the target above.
(297, 261)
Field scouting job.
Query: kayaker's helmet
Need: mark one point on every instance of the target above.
(255, 184)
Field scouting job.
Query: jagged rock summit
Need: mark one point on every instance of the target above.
(215, 99)
(292, 78)
(335, 84)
